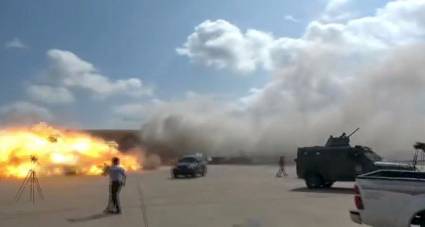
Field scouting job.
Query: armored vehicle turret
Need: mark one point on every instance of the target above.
(342, 141)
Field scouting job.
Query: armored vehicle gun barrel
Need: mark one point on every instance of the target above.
(357, 129)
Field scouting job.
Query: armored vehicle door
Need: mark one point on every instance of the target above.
(342, 165)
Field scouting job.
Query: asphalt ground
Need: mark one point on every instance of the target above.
(229, 196)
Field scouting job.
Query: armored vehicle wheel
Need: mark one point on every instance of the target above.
(314, 181)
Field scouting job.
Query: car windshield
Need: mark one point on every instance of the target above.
(188, 160)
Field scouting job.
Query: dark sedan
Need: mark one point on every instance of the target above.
(190, 166)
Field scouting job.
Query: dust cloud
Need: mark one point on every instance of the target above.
(316, 96)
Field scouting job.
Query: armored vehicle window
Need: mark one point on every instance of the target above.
(372, 156)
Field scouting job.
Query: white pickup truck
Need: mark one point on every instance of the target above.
(390, 198)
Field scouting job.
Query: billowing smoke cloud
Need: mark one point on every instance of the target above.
(366, 72)
(23, 113)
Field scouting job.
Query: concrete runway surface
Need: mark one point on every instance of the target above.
(229, 196)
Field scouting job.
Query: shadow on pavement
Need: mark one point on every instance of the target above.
(89, 217)
(183, 178)
(335, 190)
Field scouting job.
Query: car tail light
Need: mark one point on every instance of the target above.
(358, 201)
(356, 190)
(357, 198)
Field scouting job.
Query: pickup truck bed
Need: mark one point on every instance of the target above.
(390, 198)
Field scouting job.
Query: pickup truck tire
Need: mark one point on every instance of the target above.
(314, 181)
(418, 220)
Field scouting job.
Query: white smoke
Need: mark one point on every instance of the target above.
(21, 112)
(366, 72)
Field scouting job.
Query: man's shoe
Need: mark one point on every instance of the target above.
(107, 211)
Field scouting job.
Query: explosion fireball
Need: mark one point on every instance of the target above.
(58, 152)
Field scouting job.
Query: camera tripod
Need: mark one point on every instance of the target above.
(31, 181)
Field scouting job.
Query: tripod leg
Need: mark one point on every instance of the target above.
(30, 191)
(40, 192)
(32, 187)
(22, 187)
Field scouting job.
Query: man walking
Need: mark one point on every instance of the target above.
(117, 179)
(281, 170)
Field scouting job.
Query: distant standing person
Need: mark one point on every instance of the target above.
(117, 178)
(281, 170)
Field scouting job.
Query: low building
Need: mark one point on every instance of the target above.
(126, 139)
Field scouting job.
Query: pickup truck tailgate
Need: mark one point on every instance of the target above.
(391, 197)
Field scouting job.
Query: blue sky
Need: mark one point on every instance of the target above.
(134, 39)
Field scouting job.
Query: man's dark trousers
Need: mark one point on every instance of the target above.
(115, 189)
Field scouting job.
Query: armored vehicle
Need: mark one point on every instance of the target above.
(321, 166)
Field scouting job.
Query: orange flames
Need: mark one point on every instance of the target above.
(57, 151)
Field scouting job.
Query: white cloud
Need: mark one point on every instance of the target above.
(15, 43)
(67, 70)
(338, 10)
(223, 45)
(49, 94)
(336, 4)
(132, 112)
(291, 18)
(24, 113)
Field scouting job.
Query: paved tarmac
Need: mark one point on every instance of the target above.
(229, 196)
